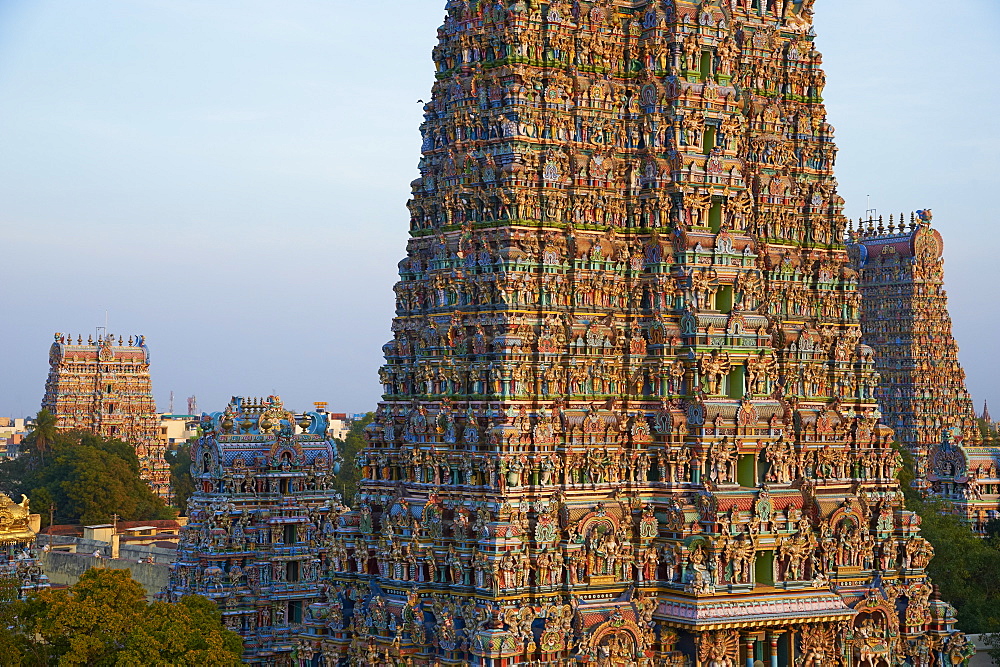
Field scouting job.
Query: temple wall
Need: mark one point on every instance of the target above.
(67, 568)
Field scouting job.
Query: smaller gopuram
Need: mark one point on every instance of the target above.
(921, 392)
(103, 386)
(18, 559)
(261, 522)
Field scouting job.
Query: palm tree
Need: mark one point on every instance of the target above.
(44, 433)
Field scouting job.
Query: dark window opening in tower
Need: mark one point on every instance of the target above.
(724, 299)
(715, 216)
(736, 382)
(708, 139)
(706, 65)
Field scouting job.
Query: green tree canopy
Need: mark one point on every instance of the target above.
(105, 620)
(181, 482)
(349, 476)
(88, 478)
(44, 433)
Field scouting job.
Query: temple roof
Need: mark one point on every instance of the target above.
(771, 608)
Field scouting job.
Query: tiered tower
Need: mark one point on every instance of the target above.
(261, 522)
(628, 418)
(103, 386)
(922, 385)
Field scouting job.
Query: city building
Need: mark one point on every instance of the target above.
(177, 429)
(12, 433)
(921, 390)
(261, 522)
(628, 417)
(150, 541)
(339, 423)
(103, 386)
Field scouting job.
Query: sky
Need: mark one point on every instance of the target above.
(229, 178)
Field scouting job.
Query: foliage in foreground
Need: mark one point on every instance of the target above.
(105, 620)
(86, 477)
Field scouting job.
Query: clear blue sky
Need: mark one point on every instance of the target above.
(229, 177)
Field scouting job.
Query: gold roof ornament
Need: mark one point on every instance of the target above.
(15, 520)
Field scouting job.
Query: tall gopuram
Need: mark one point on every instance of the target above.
(261, 522)
(103, 386)
(922, 394)
(628, 418)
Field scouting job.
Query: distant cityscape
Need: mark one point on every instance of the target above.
(173, 429)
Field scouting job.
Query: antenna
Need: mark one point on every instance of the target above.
(171, 409)
(192, 405)
(870, 213)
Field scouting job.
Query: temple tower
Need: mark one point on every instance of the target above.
(261, 522)
(103, 386)
(627, 416)
(922, 394)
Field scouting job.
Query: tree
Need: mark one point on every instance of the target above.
(104, 619)
(44, 433)
(41, 502)
(88, 478)
(349, 475)
(180, 476)
(11, 644)
(965, 567)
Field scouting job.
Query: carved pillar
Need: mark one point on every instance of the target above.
(773, 638)
(749, 642)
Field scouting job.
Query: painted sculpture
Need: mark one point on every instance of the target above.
(19, 563)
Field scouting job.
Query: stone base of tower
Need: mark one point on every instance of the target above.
(647, 628)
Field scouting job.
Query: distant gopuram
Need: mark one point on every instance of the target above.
(628, 418)
(103, 386)
(922, 394)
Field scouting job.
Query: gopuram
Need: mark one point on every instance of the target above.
(922, 394)
(261, 522)
(103, 386)
(628, 418)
